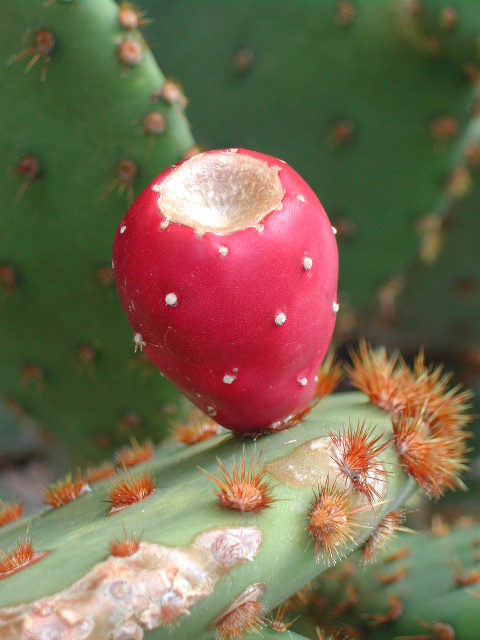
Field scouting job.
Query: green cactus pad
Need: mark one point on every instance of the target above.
(429, 576)
(75, 149)
(439, 304)
(211, 558)
(444, 28)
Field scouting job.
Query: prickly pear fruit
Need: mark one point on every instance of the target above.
(227, 266)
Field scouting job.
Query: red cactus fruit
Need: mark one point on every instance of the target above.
(227, 266)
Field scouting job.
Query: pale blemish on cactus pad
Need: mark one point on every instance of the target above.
(154, 587)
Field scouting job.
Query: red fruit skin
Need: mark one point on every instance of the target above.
(224, 321)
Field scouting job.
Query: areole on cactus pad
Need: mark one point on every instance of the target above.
(227, 268)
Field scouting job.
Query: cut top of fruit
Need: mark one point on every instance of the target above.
(220, 192)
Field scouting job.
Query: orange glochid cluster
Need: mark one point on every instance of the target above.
(277, 621)
(246, 618)
(124, 547)
(18, 558)
(135, 454)
(355, 452)
(125, 175)
(338, 635)
(331, 521)
(381, 377)
(100, 472)
(42, 46)
(198, 429)
(129, 489)
(131, 17)
(328, 377)
(66, 490)
(384, 532)
(10, 512)
(394, 610)
(435, 462)
(429, 416)
(243, 489)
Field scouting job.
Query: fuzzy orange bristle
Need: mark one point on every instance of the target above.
(10, 512)
(355, 452)
(130, 489)
(124, 547)
(305, 596)
(330, 522)
(401, 554)
(337, 636)
(278, 622)
(66, 490)
(385, 531)
(18, 558)
(102, 472)
(391, 578)
(446, 408)
(329, 377)
(394, 611)
(244, 490)
(386, 380)
(246, 618)
(463, 578)
(436, 463)
(350, 600)
(135, 454)
(130, 17)
(197, 430)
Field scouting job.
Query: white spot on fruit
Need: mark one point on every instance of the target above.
(334, 231)
(171, 300)
(280, 319)
(212, 412)
(307, 263)
(123, 229)
(233, 150)
(139, 342)
(164, 224)
(228, 379)
(303, 381)
(300, 197)
(157, 188)
(336, 307)
(223, 251)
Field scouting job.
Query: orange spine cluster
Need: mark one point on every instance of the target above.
(129, 490)
(135, 454)
(429, 417)
(197, 430)
(386, 529)
(331, 522)
(246, 618)
(20, 557)
(66, 490)
(355, 452)
(10, 512)
(244, 489)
